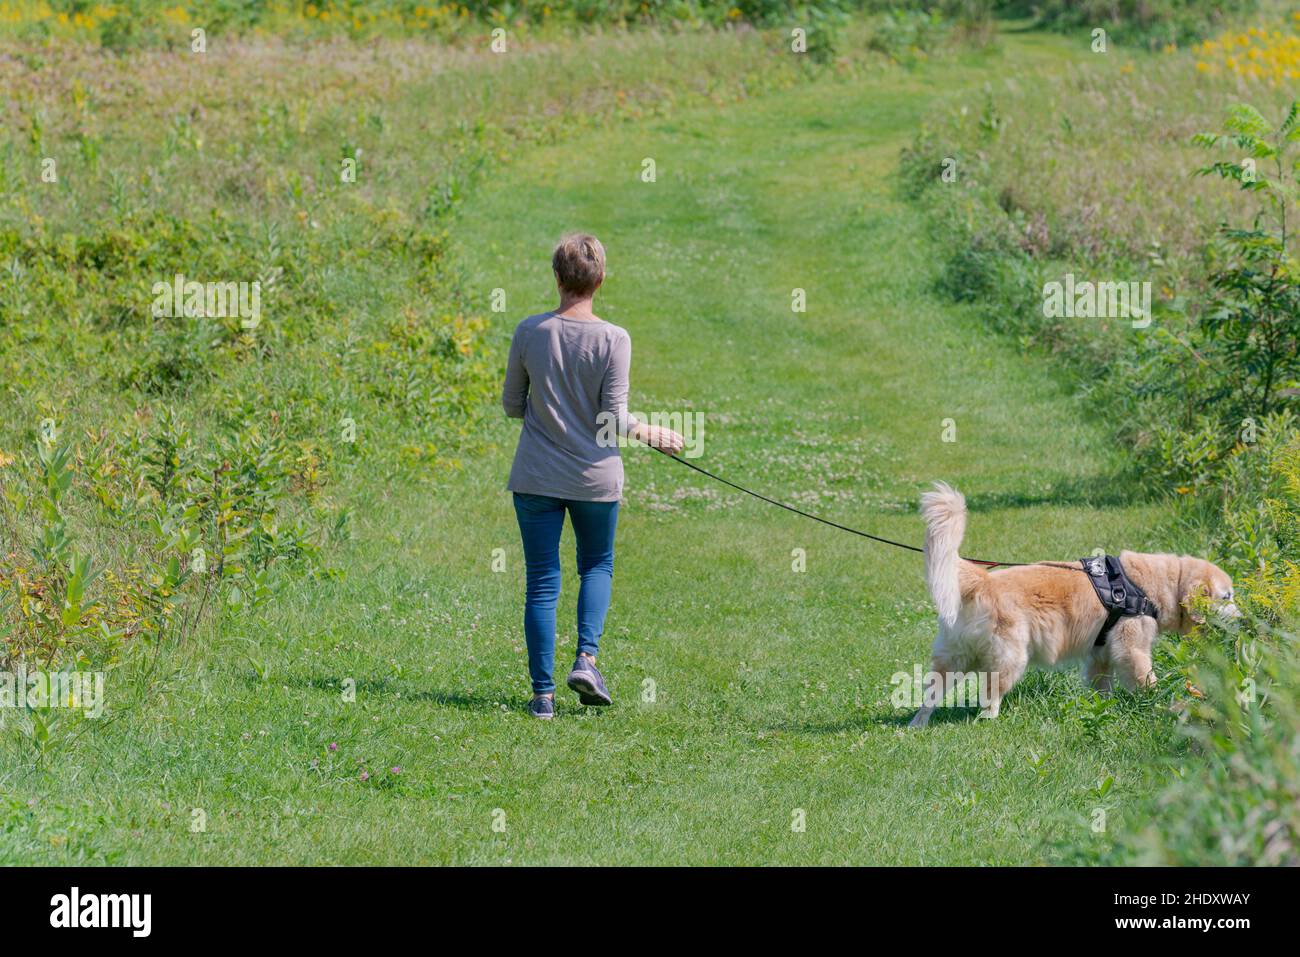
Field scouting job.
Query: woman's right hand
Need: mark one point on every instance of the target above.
(665, 440)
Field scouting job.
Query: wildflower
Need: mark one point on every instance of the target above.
(333, 745)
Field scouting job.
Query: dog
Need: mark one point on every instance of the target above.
(996, 622)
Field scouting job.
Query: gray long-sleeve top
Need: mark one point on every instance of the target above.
(568, 380)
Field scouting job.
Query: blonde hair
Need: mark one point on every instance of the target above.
(579, 263)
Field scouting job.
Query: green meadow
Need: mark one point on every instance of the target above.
(350, 686)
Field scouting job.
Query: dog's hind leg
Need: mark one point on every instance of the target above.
(931, 698)
(932, 689)
(1009, 669)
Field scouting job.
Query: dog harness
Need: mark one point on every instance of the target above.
(1118, 594)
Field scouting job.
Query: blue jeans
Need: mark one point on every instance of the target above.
(541, 520)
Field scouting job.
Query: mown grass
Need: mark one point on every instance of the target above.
(771, 687)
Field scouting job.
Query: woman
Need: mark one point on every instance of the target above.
(567, 378)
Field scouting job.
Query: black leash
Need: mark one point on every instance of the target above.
(1121, 597)
(818, 518)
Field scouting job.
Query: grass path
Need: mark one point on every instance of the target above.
(771, 687)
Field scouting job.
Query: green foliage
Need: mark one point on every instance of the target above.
(1239, 804)
(1250, 331)
(133, 24)
(1147, 23)
(198, 519)
(1094, 712)
(906, 34)
(826, 33)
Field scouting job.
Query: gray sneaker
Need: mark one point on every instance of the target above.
(587, 681)
(543, 708)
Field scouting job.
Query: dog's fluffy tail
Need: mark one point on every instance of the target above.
(944, 511)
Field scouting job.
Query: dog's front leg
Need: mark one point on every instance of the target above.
(1130, 644)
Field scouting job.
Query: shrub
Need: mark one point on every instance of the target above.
(1251, 330)
(1149, 23)
(907, 34)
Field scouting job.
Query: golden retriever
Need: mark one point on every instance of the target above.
(995, 623)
